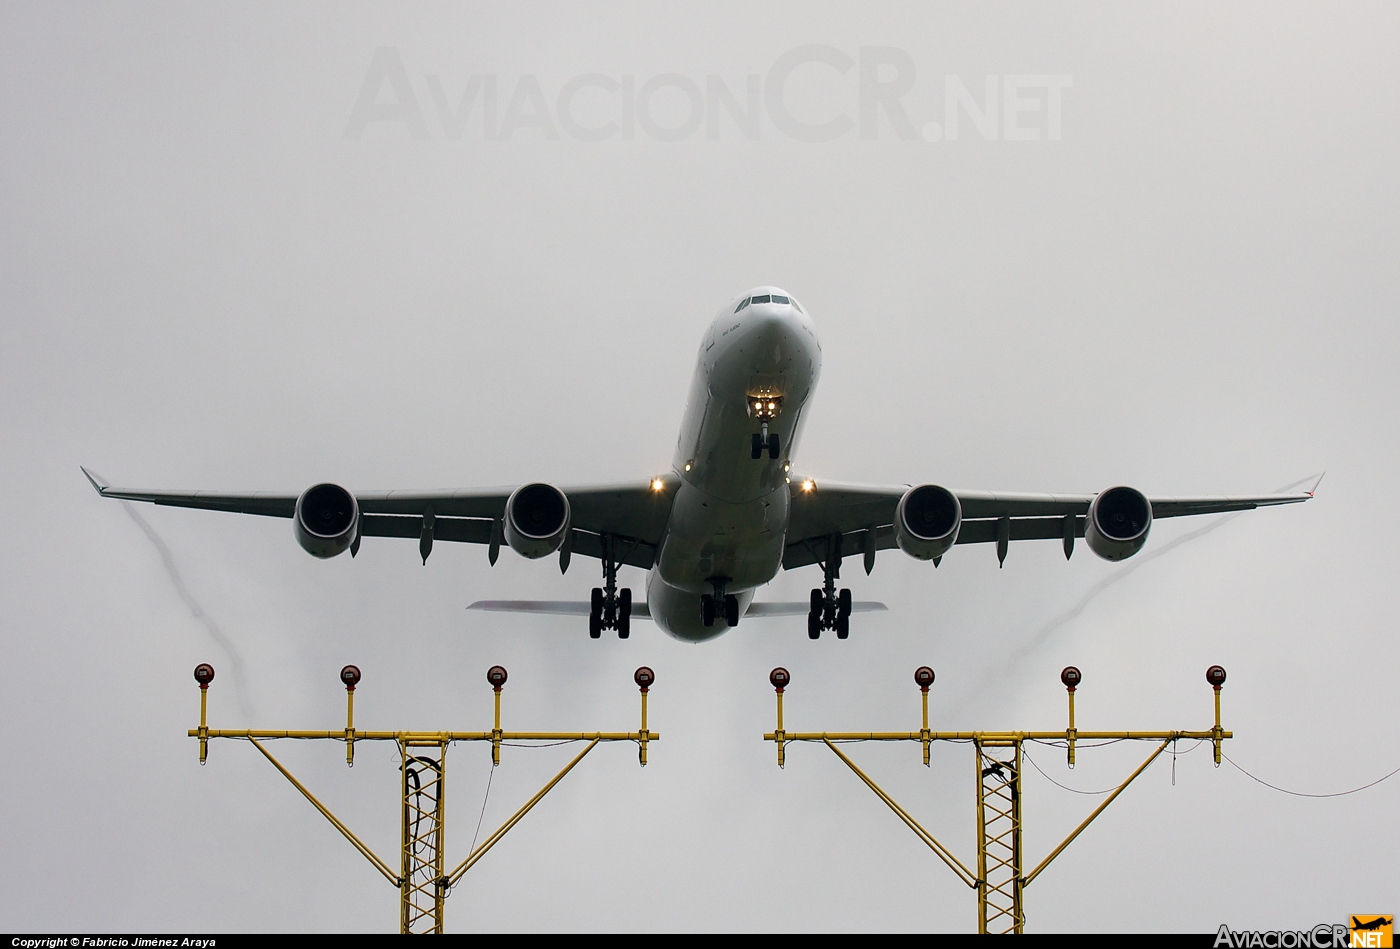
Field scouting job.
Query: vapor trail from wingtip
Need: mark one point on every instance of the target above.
(1093, 593)
(167, 559)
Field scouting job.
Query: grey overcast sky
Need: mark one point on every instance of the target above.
(1047, 248)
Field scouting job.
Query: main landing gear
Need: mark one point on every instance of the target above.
(610, 607)
(830, 609)
(719, 603)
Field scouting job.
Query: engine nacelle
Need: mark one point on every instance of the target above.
(327, 520)
(1118, 521)
(927, 520)
(537, 520)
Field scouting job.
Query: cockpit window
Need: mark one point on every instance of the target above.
(778, 299)
(798, 305)
(760, 299)
(742, 303)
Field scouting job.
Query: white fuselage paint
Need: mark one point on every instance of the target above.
(729, 517)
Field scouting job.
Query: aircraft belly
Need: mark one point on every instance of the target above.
(678, 612)
(707, 537)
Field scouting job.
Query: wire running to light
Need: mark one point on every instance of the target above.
(1303, 794)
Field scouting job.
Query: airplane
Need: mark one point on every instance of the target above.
(731, 511)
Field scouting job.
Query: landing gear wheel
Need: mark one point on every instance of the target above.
(624, 613)
(756, 446)
(843, 604)
(814, 625)
(707, 609)
(595, 614)
(773, 446)
(843, 627)
(731, 610)
(816, 602)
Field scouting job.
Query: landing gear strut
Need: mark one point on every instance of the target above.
(713, 604)
(830, 609)
(610, 608)
(765, 407)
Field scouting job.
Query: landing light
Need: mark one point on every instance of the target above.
(765, 408)
(657, 484)
(808, 485)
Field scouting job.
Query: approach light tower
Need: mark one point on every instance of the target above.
(1000, 878)
(421, 878)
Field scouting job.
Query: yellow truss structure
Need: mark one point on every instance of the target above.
(422, 878)
(999, 878)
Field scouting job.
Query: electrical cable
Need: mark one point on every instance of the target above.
(1302, 794)
(1058, 784)
(482, 816)
(411, 776)
(1062, 743)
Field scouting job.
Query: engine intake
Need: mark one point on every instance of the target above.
(927, 520)
(1118, 522)
(537, 520)
(327, 520)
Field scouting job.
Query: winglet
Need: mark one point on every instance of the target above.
(100, 488)
(1316, 483)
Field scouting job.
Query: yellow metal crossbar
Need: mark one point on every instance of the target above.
(266, 733)
(423, 885)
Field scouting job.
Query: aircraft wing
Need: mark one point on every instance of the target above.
(633, 513)
(861, 512)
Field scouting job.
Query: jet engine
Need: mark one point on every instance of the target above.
(926, 521)
(1118, 521)
(327, 520)
(537, 520)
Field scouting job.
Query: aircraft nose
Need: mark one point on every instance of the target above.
(772, 328)
(774, 334)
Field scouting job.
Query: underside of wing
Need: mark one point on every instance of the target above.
(264, 503)
(832, 518)
(623, 522)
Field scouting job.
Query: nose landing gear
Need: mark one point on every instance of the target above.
(610, 608)
(764, 440)
(830, 609)
(765, 408)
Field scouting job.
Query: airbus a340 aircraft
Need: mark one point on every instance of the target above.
(731, 510)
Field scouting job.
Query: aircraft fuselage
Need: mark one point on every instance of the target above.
(729, 518)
